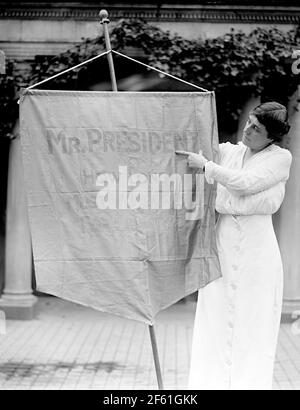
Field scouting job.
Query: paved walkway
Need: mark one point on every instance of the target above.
(69, 346)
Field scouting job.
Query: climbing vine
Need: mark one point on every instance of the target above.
(235, 65)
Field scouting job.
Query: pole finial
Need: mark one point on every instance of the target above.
(103, 14)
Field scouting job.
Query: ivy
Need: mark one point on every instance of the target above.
(236, 66)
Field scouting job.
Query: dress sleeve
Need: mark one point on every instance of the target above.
(224, 148)
(268, 173)
(262, 203)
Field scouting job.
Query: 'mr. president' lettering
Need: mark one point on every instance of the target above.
(83, 140)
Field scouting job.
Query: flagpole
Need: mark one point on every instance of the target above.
(156, 358)
(104, 20)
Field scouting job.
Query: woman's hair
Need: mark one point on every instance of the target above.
(274, 117)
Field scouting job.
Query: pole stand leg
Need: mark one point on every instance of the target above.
(156, 358)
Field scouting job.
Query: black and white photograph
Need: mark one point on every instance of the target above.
(149, 198)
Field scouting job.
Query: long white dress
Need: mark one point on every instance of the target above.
(238, 316)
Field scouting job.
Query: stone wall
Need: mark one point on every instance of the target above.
(49, 28)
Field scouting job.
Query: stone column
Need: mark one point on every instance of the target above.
(287, 220)
(17, 300)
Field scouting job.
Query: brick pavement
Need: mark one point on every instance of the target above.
(68, 346)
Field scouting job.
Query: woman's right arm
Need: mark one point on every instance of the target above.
(224, 149)
(268, 173)
(264, 202)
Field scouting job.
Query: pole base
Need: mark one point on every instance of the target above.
(18, 307)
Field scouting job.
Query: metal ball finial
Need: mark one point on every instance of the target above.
(103, 14)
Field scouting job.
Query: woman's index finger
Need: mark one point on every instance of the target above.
(182, 153)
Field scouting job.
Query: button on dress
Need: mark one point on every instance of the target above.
(238, 316)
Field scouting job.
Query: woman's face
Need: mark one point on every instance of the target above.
(255, 134)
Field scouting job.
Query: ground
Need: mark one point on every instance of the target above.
(68, 346)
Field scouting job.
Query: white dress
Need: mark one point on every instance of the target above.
(238, 316)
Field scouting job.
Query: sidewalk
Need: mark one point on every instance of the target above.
(68, 346)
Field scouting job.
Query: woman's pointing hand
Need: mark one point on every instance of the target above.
(194, 160)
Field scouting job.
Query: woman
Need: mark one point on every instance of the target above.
(238, 316)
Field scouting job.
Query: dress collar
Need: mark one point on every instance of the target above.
(244, 148)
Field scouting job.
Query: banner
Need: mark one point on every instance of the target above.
(118, 221)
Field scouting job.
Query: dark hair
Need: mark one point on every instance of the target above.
(274, 117)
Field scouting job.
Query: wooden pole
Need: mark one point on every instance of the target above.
(156, 358)
(104, 20)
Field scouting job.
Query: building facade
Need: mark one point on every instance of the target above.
(30, 28)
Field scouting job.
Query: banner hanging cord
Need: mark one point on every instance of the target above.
(120, 54)
(65, 71)
(159, 71)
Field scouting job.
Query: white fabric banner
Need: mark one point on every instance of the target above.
(119, 222)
